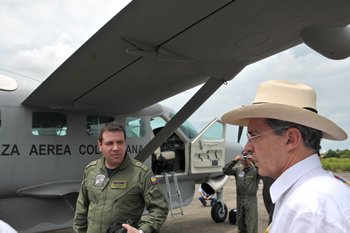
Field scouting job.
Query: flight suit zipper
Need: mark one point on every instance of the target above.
(104, 202)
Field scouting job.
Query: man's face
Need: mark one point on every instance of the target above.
(113, 148)
(266, 149)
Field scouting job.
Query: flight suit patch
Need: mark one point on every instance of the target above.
(241, 174)
(99, 180)
(118, 184)
(141, 165)
(250, 176)
(154, 180)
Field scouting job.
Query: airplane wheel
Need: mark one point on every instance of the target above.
(217, 214)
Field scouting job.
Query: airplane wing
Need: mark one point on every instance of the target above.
(155, 49)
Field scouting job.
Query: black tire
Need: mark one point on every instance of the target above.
(217, 214)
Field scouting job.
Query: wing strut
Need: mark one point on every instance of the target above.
(185, 112)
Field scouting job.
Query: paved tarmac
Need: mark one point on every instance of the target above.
(197, 218)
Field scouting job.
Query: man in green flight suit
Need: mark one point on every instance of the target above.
(247, 183)
(117, 188)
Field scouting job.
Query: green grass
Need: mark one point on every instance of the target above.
(336, 164)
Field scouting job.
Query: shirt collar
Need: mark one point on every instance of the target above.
(292, 175)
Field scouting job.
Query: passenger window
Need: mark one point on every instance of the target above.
(0, 121)
(93, 123)
(49, 124)
(215, 132)
(135, 127)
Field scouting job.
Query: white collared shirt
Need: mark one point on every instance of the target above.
(5, 228)
(309, 199)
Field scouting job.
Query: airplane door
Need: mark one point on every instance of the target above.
(208, 149)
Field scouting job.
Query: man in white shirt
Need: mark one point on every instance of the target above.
(284, 135)
(204, 197)
(6, 228)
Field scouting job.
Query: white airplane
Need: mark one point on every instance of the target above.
(149, 51)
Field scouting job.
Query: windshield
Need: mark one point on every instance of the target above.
(186, 127)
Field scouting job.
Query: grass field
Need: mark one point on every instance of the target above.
(336, 165)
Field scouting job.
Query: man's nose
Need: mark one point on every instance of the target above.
(248, 147)
(115, 146)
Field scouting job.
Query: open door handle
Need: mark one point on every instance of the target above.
(201, 146)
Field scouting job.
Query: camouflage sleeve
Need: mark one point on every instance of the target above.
(229, 168)
(80, 217)
(156, 204)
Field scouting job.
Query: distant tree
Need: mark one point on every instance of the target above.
(345, 156)
(337, 153)
(345, 153)
(332, 154)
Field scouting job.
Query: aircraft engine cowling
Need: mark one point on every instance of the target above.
(330, 41)
(214, 184)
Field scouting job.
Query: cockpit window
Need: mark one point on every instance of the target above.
(186, 127)
(157, 122)
(49, 124)
(135, 127)
(215, 132)
(93, 123)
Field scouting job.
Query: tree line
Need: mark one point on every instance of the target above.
(337, 153)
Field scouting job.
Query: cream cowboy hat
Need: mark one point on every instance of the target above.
(286, 101)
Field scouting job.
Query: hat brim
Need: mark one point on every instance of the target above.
(297, 115)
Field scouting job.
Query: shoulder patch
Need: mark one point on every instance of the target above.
(93, 163)
(154, 180)
(141, 165)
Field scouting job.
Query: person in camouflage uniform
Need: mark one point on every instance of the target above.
(247, 183)
(117, 188)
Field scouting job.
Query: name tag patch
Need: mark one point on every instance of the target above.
(118, 184)
(154, 180)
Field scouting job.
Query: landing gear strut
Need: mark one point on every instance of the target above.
(219, 209)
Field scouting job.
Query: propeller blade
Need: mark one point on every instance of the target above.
(240, 130)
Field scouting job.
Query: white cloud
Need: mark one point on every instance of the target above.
(42, 61)
(37, 36)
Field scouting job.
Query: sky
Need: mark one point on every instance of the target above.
(39, 35)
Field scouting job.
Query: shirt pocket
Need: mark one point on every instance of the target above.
(155, 197)
(127, 204)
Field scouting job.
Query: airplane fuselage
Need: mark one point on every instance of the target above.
(43, 154)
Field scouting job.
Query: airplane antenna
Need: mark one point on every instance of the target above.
(21, 75)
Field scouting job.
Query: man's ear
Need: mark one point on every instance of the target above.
(99, 145)
(293, 137)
